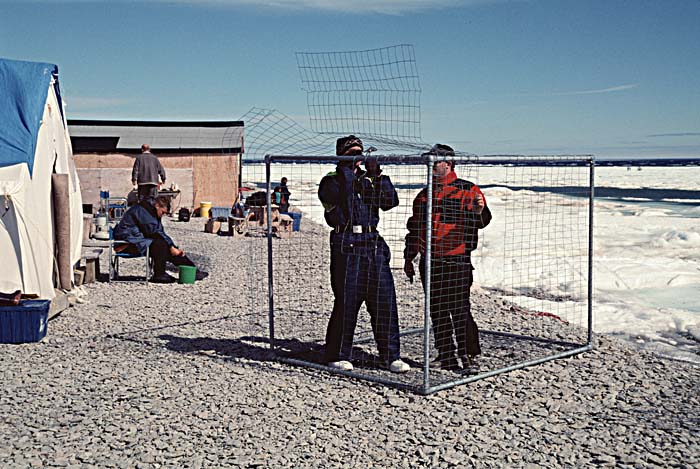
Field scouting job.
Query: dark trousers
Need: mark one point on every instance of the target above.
(160, 253)
(360, 272)
(148, 192)
(450, 308)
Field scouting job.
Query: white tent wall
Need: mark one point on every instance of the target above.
(13, 180)
(33, 230)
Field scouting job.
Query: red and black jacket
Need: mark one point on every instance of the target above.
(455, 223)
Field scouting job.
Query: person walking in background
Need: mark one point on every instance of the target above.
(360, 270)
(284, 198)
(146, 173)
(459, 210)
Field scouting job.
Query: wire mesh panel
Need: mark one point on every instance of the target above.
(374, 92)
(340, 295)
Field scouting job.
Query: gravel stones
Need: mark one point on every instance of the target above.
(181, 376)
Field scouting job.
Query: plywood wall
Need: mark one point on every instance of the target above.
(210, 178)
(215, 179)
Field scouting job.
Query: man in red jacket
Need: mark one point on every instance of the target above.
(459, 210)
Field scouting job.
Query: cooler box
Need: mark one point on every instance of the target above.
(25, 322)
(220, 213)
(296, 220)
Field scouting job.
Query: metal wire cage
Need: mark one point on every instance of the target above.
(531, 296)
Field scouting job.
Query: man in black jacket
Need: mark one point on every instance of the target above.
(360, 270)
(146, 173)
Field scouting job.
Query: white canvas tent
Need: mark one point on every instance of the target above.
(34, 144)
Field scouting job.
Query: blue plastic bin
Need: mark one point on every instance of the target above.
(25, 322)
(220, 213)
(296, 220)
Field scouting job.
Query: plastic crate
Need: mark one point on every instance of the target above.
(296, 220)
(25, 322)
(220, 213)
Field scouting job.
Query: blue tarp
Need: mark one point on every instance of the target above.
(23, 91)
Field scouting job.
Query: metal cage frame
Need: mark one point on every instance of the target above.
(427, 159)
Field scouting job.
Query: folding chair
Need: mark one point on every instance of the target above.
(116, 208)
(114, 257)
(238, 226)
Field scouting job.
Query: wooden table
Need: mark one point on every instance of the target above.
(281, 224)
(92, 257)
(260, 214)
(172, 195)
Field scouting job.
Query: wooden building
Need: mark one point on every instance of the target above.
(203, 159)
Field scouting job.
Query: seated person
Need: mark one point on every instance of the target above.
(237, 210)
(240, 207)
(141, 227)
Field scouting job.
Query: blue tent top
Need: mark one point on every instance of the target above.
(23, 91)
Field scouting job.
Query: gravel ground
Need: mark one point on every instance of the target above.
(181, 376)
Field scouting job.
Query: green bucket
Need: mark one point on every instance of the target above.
(187, 274)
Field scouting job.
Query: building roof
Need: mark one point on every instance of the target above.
(111, 136)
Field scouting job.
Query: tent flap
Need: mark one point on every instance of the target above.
(23, 92)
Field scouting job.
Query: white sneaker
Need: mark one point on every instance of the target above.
(399, 366)
(341, 365)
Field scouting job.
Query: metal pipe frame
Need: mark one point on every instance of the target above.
(666, 162)
(428, 268)
(270, 282)
(508, 369)
(432, 389)
(544, 340)
(426, 389)
(591, 207)
(488, 160)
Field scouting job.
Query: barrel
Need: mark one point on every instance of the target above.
(204, 208)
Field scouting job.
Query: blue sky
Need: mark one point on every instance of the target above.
(608, 77)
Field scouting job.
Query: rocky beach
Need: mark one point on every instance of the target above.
(182, 376)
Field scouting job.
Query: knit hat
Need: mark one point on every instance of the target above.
(344, 144)
(440, 149)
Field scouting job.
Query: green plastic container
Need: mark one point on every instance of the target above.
(187, 274)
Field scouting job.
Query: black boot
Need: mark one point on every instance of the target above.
(447, 363)
(201, 275)
(470, 364)
(163, 278)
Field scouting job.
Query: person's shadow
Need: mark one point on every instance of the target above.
(246, 347)
(258, 349)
